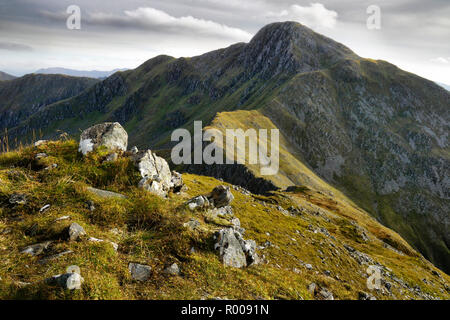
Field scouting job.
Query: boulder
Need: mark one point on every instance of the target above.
(155, 172)
(221, 196)
(139, 272)
(230, 249)
(68, 281)
(249, 249)
(109, 134)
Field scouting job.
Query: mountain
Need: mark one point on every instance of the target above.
(375, 132)
(446, 86)
(78, 73)
(5, 76)
(22, 97)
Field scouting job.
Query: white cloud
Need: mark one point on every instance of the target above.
(441, 60)
(315, 16)
(159, 21)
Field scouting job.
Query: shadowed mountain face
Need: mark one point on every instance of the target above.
(22, 97)
(375, 132)
(5, 76)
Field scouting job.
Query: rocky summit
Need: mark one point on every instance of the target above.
(362, 182)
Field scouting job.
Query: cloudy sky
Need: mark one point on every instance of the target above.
(414, 34)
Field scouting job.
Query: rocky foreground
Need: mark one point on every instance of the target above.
(92, 219)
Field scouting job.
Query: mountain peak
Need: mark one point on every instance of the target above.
(293, 47)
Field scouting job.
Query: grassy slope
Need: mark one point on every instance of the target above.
(153, 234)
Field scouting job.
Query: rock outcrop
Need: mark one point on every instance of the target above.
(109, 134)
(155, 172)
(234, 251)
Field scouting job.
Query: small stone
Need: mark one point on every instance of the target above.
(173, 269)
(197, 203)
(134, 150)
(44, 208)
(326, 294)
(40, 155)
(40, 143)
(36, 249)
(308, 266)
(114, 245)
(105, 194)
(112, 157)
(176, 181)
(192, 224)
(312, 288)
(62, 218)
(75, 232)
(139, 272)
(53, 166)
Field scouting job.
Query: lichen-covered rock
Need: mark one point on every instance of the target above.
(249, 248)
(176, 181)
(218, 200)
(197, 203)
(221, 196)
(230, 249)
(173, 269)
(139, 272)
(68, 281)
(155, 172)
(74, 232)
(109, 134)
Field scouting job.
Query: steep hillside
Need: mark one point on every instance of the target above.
(22, 97)
(5, 76)
(312, 245)
(375, 132)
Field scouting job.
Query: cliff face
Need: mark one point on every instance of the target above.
(375, 132)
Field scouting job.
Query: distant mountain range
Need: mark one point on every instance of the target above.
(377, 133)
(446, 86)
(6, 76)
(78, 73)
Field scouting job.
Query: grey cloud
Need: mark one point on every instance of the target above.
(14, 46)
